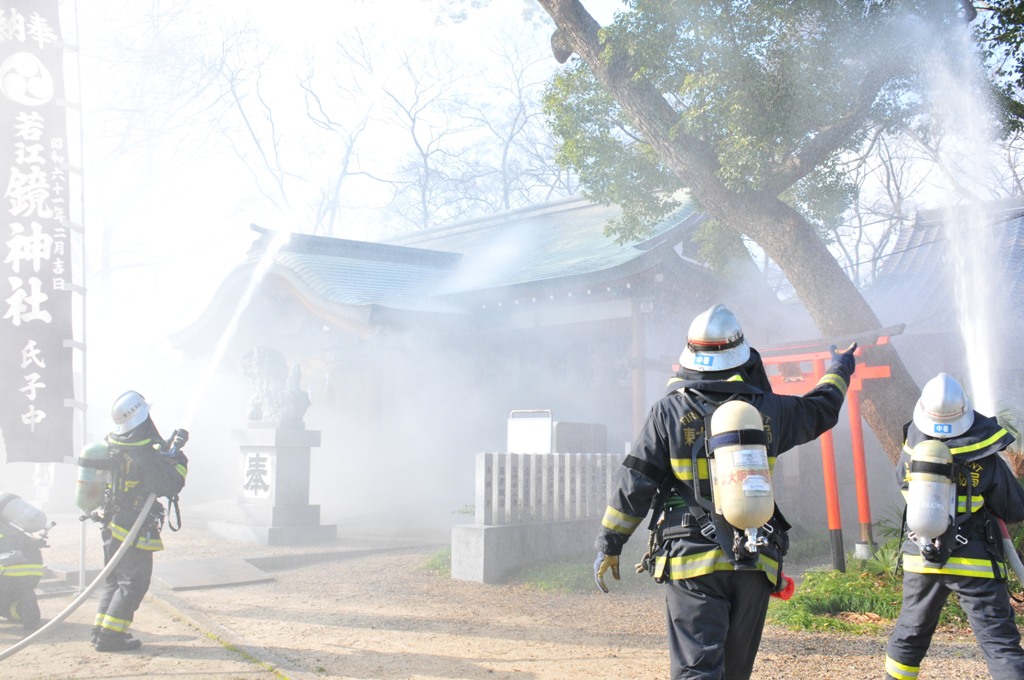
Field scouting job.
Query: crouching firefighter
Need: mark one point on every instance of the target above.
(957, 489)
(140, 462)
(719, 425)
(23, 533)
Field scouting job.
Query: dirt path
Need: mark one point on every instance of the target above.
(379, 615)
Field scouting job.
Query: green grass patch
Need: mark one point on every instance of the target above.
(827, 600)
(823, 596)
(575, 574)
(439, 563)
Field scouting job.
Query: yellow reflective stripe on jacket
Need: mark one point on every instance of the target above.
(619, 522)
(833, 380)
(900, 671)
(142, 542)
(679, 567)
(956, 566)
(138, 444)
(182, 470)
(967, 448)
(20, 570)
(978, 445)
(976, 503)
(683, 468)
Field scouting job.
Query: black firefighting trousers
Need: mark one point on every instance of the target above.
(986, 602)
(125, 586)
(715, 623)
(18, 601)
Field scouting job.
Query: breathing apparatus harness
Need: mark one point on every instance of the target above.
(115, 499)
(672, 520)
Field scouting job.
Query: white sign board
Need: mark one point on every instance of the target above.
(529, 432)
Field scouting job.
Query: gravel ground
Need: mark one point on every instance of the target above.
(366, 609)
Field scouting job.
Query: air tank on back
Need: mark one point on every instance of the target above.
(20, 513)
(92, 476)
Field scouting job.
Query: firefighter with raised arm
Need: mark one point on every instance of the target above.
(702, 463)
(958, 489)
(140, 462)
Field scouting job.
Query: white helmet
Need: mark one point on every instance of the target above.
(129, 411)
(943, 411)
(714, 342)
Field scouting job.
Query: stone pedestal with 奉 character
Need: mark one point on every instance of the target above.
(273, 503)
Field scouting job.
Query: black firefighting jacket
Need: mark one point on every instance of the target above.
(662, 457)
(142, 465)
(21, 560)
(973, 545)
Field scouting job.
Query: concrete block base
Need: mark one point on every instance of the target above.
(489, 554)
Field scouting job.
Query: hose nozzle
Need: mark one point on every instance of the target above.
(178, 440)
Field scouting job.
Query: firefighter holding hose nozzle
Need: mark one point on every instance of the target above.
(138, 462)
(702, 466)
(958, 490)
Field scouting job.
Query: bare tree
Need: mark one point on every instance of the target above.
(521, 147)
(885, 176)
(428, 101)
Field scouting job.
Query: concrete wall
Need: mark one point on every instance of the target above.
(489, 554)
(529, 508)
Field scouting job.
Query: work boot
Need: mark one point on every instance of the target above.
(109, 641)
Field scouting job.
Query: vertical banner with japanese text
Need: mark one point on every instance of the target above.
(35, 359)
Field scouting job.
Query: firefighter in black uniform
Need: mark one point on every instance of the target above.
(968, 558)
(21, 568)
(717, 596)
(142, 463)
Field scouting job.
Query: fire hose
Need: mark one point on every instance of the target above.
(1012, 557)
(77, 602)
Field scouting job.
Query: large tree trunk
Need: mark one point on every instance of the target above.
(834, 303)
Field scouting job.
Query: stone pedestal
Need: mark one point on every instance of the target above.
(273, 502)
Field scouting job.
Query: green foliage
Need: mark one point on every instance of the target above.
(885, 560)
(753, 88)
(889, 525)
(614, 166)
(827, 600)
(1000, 31)
(823, 596)
(439, 563)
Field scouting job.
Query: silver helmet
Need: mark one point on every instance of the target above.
(129, 411)
(943, 411)
(714, 342)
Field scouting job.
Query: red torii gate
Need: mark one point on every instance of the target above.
(792, 378)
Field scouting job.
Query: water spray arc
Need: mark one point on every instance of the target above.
(263, 265)
(976, 254)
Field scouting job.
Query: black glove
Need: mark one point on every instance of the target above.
(844, 359)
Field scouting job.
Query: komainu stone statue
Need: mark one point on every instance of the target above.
(277, 396)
